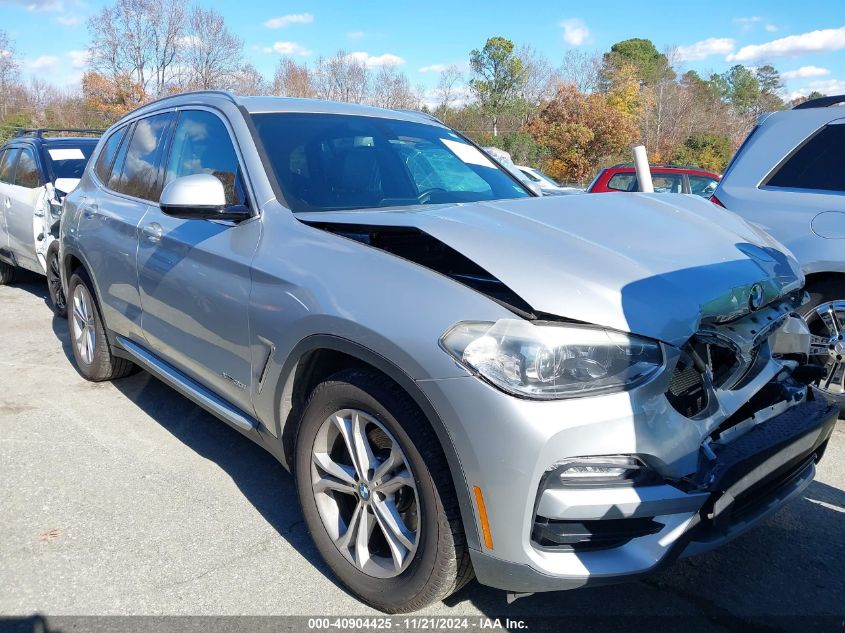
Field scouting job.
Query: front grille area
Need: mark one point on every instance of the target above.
(583, 536)
(687, 392)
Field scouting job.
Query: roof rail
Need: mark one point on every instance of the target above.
(39, 132)
(821, 102)
(188, 93)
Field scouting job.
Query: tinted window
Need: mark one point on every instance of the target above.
(7, 167)
(703, 186)
(105, 160)
(329, 161)
(622, 182)
(142, 166)
(530, 176)
(818, 164)
(201, 145)
(668, 183)
(68, 161)
(26, 173)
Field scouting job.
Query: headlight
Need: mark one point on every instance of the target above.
(551, 360)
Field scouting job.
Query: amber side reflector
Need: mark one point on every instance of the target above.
(482, 515)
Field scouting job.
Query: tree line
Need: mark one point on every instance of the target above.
(570, 118)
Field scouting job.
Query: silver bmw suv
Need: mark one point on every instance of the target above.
(465, 379)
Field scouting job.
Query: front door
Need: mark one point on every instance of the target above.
(194, 275)
(26, 194)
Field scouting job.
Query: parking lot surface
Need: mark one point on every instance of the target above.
(126, 499)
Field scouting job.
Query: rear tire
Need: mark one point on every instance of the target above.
(825, 316)
(91, 348)
(7, 273)
(58, 300)
(389, 575)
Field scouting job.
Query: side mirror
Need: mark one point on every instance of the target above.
(199, 197)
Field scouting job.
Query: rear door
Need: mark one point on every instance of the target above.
(26, 193)
(129, 173)
(194, 275)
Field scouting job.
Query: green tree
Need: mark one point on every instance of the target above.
(498, 77)
(651, 64)
(708, 151)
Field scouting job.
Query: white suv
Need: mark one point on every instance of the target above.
(789, 178)
(37, 170)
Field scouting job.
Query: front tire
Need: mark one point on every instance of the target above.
(825, 316)
(91, 349)
(376, 494)
(54, 282)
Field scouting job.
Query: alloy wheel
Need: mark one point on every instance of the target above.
(84, 329)
(365, 493)
(827, 345)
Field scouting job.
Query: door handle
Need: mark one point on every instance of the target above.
(152, 232)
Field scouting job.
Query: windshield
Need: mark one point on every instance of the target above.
(547, 178)
(69, 161)
(327, 162)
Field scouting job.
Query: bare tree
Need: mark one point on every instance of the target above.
(581, 69)
(391, 89)
(448, 89)
(211, 54)
(342, 78)
(8, 70)
(249, 81)
(293, 80)
(538, 75)
(139, 38)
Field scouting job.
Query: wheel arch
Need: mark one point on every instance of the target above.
(317, 357)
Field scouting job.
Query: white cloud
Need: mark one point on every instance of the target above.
(793, 45)
(355, 35)
(42, 63)
(771, 28)
(575, 31)
(373, 61)
(36, 5)
(287, 48)
(434, 68)
(747, 23)
(706, 48)
(285, 20)
(824, 86)
(78, 59)
(69, 20)
(805, 71)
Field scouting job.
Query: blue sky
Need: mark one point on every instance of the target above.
(805, 41)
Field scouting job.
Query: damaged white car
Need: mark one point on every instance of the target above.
(36, 172)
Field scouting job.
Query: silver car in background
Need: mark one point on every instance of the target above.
(789, 178)
(465, 378)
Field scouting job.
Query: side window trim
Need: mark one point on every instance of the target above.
(127, 140)
(124, 132)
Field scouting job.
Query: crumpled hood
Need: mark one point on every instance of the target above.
(650, 264)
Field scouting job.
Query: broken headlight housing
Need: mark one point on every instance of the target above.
(551, 361)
